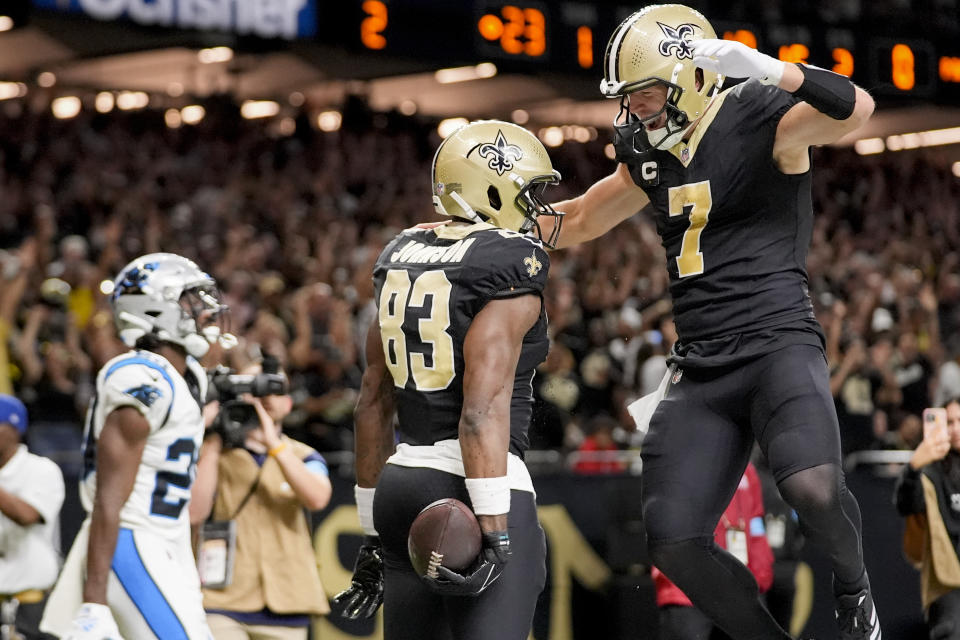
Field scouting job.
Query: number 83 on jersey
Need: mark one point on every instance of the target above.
(430, 292)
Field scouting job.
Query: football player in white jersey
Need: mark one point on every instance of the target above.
(131, 572)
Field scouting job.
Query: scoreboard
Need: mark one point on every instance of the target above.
(903, 55)
(571, 37)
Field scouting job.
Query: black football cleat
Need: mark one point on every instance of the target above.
(857, 617)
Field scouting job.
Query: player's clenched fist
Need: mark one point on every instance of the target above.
(737, 60)
(485, 571)
(93, 622)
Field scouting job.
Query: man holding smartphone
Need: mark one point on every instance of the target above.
(928, 494)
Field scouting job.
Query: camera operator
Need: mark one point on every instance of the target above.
(252, 474)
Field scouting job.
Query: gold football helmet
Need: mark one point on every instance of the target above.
(496, 172)
(650, 47)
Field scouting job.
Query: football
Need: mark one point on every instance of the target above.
(445, 532)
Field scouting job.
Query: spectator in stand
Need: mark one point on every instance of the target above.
(948, 383)
(927, 495)
(31, 494)
(741, 531)
(597, 453)
(15, 268)
(854, 387)
(913, 372)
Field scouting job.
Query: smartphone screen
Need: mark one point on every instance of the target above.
(934, 422)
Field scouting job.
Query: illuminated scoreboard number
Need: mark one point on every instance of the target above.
(374, 23)
(518, 31)
(904, 67)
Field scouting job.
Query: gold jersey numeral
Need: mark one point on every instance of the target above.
(396, 297)
(693, 200)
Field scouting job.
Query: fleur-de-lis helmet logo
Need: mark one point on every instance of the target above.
(533, 265)
(500, 154)
(677, 41)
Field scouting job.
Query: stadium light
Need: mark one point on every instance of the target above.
(407, 107)
(252, 109)
(130, 100)
(955, 168)
(215, 54)
(12, 90)
(551, 136)
(6, 23)
(65, 107)
(46, 79)
(869, 146)
(172, 118)
(909, 140)
(329, 121)
(104, 102)
(192, 114)
(465, 74)
(520, 116)
(448, 126)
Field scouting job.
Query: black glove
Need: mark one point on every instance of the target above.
(365, 594)
(494, 555)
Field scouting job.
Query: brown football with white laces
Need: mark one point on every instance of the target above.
(445, 532)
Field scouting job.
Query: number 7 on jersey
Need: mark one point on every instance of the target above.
(696, 201)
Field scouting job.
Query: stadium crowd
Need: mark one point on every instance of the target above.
(291, 226)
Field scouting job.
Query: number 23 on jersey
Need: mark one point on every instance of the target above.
(397, 296)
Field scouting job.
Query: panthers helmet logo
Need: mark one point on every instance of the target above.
(133, 280)
(501, 154)
(677, 39)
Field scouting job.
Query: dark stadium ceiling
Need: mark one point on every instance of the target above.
(154, 62)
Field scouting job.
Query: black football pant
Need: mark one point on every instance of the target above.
(687, 623)
(411, 611)
(943, 617)
(699, 442)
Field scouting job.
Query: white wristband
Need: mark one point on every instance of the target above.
(490, 496)
(364, 498)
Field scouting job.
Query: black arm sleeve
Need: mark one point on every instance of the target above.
(827, 92)
(908, 494)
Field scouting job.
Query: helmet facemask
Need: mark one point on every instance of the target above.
(168, 297)
(204, 316)
(531, 202)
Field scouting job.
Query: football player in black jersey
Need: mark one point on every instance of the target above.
(727, 175)
(461, 328)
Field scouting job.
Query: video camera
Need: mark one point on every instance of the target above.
(236, 417)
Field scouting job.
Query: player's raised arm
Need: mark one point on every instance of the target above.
(600, 208)
(831, 106)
